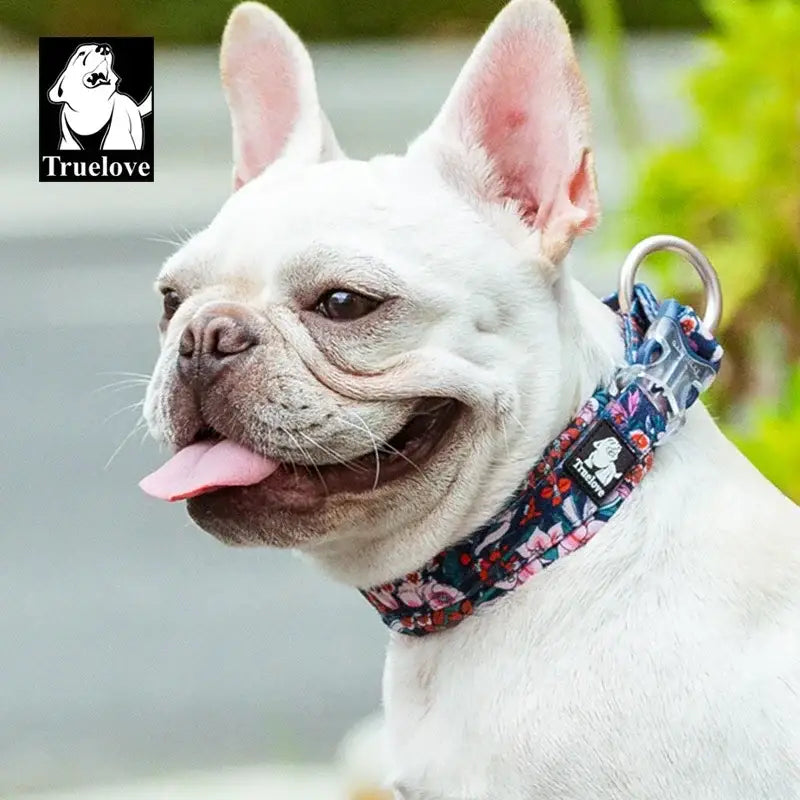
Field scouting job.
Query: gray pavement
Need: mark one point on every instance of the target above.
(133, 644)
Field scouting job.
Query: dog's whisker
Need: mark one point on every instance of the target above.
(179, 240)
(369, 433)
(164, 240)
(139, 424)
(400, 454)
(385, 445)
(306, 455)
(516, 419)
(410, 462)
(122, 374)
(183, 233)
(316, 468)
(431, 410)
(130, 406)
(297, 445)
(118, 386)
(338, 458)
(505, 436)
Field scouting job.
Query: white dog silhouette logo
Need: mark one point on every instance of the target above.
(94, 115)
(600, 461)
(603, 460)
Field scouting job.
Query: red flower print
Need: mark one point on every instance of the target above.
(636, 474)
(530, 513)
(563, 485)
(640, 439)
(438, 618)
(465, 559)
(466, 607)
(494, 555)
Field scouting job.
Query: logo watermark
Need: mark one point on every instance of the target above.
(96, 108)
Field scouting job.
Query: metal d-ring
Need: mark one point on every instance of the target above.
(690, 253)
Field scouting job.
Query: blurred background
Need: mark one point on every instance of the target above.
(136, 648)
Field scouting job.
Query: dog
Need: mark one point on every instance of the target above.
(362, 360)
(94, 115)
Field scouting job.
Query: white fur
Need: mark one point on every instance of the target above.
(662, 660)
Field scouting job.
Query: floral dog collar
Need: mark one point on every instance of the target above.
(580, 482)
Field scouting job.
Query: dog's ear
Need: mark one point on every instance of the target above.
(55, 95)
(269, 84)
(516, 126)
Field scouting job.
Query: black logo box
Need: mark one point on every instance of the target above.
(584, 448)
(134, 64)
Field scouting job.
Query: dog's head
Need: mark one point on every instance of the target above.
(609, 449)
(87, 80)
(360, 350)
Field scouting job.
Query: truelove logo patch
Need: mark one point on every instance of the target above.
(600, 461)
(96, 108)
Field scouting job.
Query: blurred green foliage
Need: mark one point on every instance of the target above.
(773, 440)
(734, 190)
(606, 34)
(191, 21)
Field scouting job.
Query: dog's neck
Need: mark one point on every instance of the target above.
(89, 120)
(592, 347)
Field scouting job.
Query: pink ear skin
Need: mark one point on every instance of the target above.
(521, 101)
(269, 84)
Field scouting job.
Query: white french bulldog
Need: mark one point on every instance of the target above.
(362, 360)
(92, 106)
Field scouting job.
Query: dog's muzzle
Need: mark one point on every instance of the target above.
(213, 341)
(100, 74)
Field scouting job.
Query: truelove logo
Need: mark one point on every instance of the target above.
(96, 108)
(599, 463)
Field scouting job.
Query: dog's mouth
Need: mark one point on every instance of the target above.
(215, 464)
(98, 76)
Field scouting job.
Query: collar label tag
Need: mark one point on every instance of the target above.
(600, 461)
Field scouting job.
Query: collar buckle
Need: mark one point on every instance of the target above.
(668, 370)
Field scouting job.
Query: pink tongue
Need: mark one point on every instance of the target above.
(205, 466)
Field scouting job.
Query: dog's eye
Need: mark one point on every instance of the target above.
(171, 302)
(341, 304)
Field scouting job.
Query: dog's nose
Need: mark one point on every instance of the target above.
(212, 341)
(103, 49)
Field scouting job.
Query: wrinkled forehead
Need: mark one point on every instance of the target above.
(354, 208)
